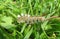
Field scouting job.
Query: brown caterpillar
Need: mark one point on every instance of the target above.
(31, 19)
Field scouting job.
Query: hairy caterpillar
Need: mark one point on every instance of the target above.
(31, 19)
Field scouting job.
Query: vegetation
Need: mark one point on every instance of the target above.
(11, 29)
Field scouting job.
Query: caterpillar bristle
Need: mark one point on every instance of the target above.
(18, 16)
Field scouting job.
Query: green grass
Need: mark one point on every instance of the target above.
(11, 29)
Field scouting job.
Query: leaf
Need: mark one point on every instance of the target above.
(28, 34)
(23, 28)
(47, 27)
(43, 36)
(37, 36)
(7, 22)
(7, 19)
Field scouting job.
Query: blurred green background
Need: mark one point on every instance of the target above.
(11, 29)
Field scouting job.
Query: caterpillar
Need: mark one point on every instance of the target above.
(31, 19)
